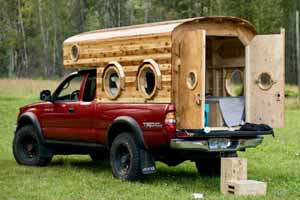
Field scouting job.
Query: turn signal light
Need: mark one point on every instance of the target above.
(170, 122)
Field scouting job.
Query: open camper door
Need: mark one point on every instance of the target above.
(265, 80)
(191, 80)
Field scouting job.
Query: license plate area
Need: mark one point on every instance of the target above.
(220, 143)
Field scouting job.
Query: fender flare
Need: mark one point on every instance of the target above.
(31, 118)
(126, 124)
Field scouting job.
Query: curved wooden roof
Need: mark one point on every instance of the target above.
(155, 28)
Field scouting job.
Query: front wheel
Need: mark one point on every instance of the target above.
(125, 158)
(27, 148)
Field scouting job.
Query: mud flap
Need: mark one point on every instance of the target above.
(147, 162)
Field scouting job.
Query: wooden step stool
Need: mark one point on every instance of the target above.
(234, 178)
(232, 169)
(246, 187)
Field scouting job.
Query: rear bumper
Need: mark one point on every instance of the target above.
(204, 144)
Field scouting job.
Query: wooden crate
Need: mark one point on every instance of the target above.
(232, 169)
(245, 187)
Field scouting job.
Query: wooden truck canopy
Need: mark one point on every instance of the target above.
(179, 62)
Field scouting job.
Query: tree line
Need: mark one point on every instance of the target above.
(32, 31)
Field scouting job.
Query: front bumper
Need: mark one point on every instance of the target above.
(204, 145)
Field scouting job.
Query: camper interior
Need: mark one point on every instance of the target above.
(224, 82)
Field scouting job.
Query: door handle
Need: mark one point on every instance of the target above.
(71, 110)
(198, 99)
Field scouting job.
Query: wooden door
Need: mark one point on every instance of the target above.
(265, 80)
(191, 80)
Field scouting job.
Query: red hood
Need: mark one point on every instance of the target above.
(33, 107)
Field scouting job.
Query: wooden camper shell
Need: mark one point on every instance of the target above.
(131, 46)
(98, 48)
(161, 47)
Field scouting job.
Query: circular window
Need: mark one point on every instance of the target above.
(112, 83)
(147, 81)
(265, 81)
(191, 80)
(75, 52)
(234, 83)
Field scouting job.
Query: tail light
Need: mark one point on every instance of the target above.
(170, 122)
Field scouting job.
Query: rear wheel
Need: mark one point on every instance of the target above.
(27, 148)
(211, 166)
(125, 158)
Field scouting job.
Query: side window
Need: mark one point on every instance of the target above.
(70, 90)
(90, 88)
(149, 78)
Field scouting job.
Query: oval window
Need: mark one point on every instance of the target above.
(234, 83)
(265, 81)
(75, 52)
(112, 83)
(147, 81)
(191, 80)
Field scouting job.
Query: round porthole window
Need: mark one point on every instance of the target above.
(111, 80)
(147, 81)
(234, 83)
(75, 52)
(191, 80)
(265, 81)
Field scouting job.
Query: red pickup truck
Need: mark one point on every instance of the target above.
(134, 136)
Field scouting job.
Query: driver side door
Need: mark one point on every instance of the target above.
(61, 119)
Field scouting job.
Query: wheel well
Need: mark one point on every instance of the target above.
(30, 119)
(124, 124)
(117, 129)
(23, 122)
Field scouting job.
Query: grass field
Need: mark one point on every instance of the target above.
(277, 162)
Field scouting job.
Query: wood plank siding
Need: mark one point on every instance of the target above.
(130, 46)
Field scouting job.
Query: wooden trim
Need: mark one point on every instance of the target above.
(74, 59)
(228, 74)
(121, 77)
(157, 71)
(121, 71)
(192, 87)
(247, 83)
(203, 75)
(151, 64)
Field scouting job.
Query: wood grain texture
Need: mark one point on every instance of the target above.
(192, 58)
(232, 169)
(245, 187)
(166, 27)
(161, 42)
(265, 54)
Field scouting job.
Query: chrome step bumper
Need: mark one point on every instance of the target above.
(216, 145)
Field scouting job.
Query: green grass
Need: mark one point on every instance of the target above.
(277, 162)
(291, 91)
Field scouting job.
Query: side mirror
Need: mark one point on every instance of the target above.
(45, 95)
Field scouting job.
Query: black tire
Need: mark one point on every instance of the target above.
(100, 155)
(125, 158)
(211, 166)
(27, 148)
